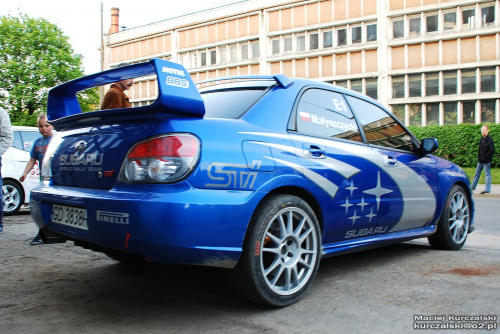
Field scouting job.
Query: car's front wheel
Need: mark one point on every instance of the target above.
(453, 226)
(281, 253)
(13, 197)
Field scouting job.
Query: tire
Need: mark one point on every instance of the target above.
(453, 226)
(281, 253)
(13, 197)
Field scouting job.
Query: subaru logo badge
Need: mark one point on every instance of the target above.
(80, 146)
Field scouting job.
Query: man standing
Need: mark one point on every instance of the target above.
(37, 153)
(5, 142)
(115, 97)
(485, 155)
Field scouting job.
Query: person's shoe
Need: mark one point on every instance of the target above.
(1, 229)
(36, 240)
(484, 192)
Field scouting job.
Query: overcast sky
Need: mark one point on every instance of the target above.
(81, 20)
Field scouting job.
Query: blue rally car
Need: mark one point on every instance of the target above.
(264, 175)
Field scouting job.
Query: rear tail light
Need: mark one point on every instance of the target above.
(163, 159)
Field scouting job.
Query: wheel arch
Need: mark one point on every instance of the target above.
(302, 193)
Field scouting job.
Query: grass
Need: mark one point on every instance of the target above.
(495, 175)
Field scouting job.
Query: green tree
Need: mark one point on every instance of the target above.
(34, 57)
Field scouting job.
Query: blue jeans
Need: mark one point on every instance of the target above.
(487, 175)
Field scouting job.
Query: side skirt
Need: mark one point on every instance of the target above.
(374, 241)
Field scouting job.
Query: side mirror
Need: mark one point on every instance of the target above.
(428, 145)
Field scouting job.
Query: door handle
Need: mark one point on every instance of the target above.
(315, 152)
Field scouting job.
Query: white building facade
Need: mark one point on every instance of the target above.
(428, 61)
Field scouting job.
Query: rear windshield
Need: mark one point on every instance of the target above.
(230, 103)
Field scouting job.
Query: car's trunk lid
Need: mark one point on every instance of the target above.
(91, 157)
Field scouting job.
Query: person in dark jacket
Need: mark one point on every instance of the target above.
(115, 97)
(485, 155)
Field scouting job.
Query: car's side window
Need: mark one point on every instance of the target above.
(379, 127)
(325, 113)
(28, 139)
(17, 141)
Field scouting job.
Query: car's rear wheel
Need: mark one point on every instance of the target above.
(13, 197)
(281, 253)
(453, 226)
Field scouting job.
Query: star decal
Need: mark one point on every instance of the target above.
(352, 187)
(354, 217)
(370, 215)
(347, 205)
(362, 204)
(378, 191)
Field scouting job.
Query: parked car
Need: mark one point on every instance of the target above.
(264, 175)
(16, 193)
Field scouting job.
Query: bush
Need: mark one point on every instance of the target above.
(459, 143)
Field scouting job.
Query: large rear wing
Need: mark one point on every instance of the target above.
(177, 94)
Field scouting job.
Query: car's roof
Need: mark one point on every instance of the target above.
(24, 128)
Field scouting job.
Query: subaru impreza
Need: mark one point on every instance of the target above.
(263, 175)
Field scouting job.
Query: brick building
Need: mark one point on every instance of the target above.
(428, 61)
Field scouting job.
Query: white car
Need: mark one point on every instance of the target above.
(16, 193)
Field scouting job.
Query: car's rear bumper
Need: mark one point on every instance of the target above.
(175, 223)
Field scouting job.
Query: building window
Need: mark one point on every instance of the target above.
(234, 53)
(432, 23)
(244, 52)
(450, 112)
(222, 55)
(203, 58)
(415, 113)
(185, 60)
(288, 41)
(468, 81)
(327, 39)
(275, 45)
(432, 114)
(398, 110)
(301, 43)
(255, 50)
(398, 87)
(213, 57)
(488, 79)
(398, 29)
(415, 81)
(415, 26)
(488, 15)
(341, 83)
(341, 37)
(468, 19)
(488, 111)
(313, 41)
(432, 84)
(371, 32)
(194, 59)
(372, 88)
(357, 85)
(450, 21)
(469, 112)
(356, 35)
(449, 83)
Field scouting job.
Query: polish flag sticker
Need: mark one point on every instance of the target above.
(305, 116)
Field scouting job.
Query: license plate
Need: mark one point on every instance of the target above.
(69, 216)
